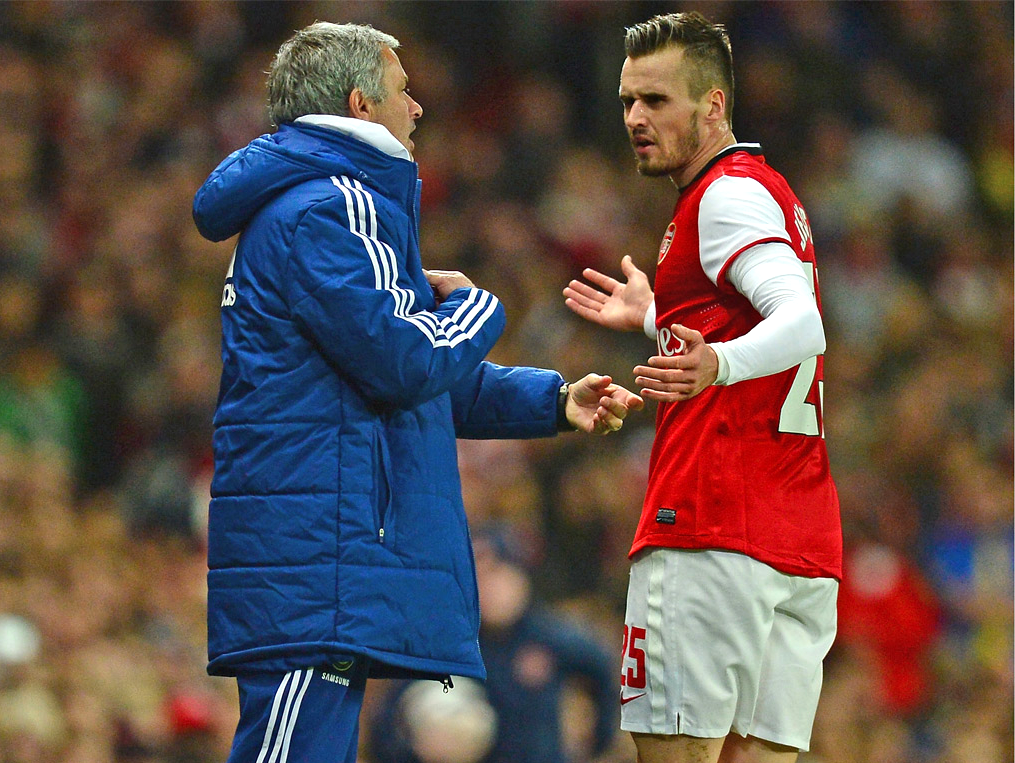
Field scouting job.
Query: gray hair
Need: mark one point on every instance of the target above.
(317, 68)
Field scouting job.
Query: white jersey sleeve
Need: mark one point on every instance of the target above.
(773, 280)
(736, 213)
(743, 240)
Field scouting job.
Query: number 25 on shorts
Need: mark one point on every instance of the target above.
(633, 677)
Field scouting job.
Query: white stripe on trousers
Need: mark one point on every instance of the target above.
(287, 721)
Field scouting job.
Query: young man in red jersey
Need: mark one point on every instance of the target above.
(731, 605)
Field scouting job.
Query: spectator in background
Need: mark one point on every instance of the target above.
(889, 615)
(534, 660)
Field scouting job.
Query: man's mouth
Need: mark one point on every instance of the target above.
(641, 143)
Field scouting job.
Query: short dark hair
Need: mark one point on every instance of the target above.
(706, 44)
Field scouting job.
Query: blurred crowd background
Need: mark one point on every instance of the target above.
(892, 121)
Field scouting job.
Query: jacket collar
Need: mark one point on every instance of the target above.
(371, 133)
(392, 176)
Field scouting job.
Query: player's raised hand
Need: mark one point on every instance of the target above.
(673, 378)
(616, 305)
(598, 406)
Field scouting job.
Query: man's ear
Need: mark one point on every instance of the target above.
(716, 105)
(360, 107)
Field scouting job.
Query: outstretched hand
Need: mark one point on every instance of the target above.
(598, 406)
(616, 305)
(673, 378)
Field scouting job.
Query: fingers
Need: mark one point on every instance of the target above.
(669, 393)
(601, 280)
(613, 410)
(694, 369)
(584, 301)
(665, 397)
(444, 282)
(614, 406)
(584, 293)
(440, 275)
(610, 415)
(664, 362)
(625, 397)
(667, 371)
(677, 375)
(671, 383)
(581, 311)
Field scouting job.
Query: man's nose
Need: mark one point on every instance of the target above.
(415, 110)
(635, 116)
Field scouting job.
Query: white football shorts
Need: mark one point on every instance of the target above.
(715, 641)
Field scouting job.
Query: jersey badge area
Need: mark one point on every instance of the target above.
(664, 247)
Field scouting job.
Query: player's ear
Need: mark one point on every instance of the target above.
(716, 105)
(360, 107)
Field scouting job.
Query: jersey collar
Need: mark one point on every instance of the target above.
(749, 148)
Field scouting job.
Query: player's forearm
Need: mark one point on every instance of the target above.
(777, 285)
(789, 335)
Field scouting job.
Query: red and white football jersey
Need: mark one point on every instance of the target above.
(741, 467)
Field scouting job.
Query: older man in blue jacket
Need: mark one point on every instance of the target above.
(338, 543)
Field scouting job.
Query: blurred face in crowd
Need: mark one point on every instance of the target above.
(665, 124)
(398, 111)
(504, 589)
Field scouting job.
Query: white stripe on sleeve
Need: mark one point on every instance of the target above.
(467, 319)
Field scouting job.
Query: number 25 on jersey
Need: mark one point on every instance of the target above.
(797, 416)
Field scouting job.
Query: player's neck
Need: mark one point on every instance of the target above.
(715, 143)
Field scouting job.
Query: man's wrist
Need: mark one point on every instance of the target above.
(648, 324)
(723, 373)
(563, 425)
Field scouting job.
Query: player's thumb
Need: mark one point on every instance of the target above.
(596, 382)
(689, 337)
(627, 266)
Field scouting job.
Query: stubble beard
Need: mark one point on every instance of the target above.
(686, 148)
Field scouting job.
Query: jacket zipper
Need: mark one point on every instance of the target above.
(384, 497)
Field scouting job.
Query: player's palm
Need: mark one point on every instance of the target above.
(608, 302)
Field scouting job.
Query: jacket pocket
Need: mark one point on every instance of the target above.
(383, 515)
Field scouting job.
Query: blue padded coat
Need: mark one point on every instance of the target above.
(336, 523)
